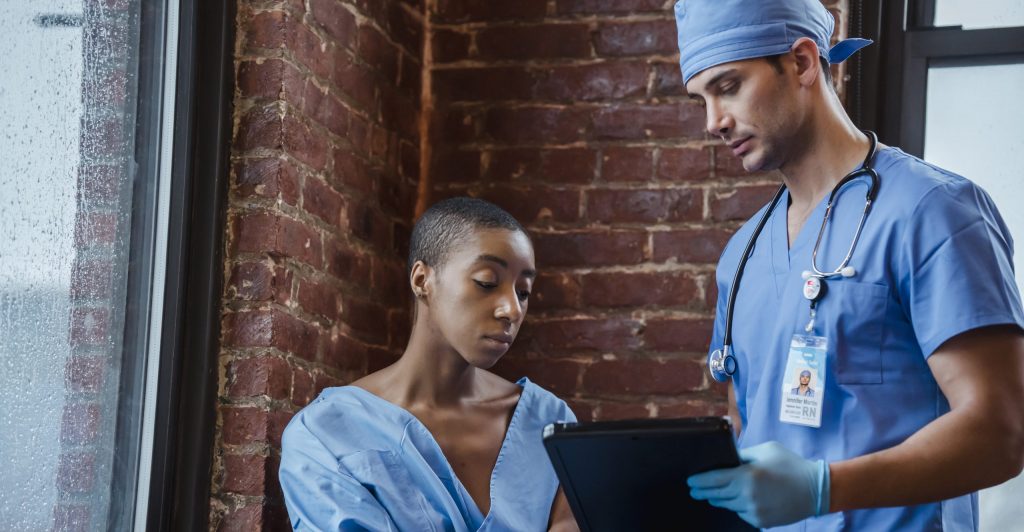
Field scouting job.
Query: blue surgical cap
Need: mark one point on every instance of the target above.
(714, 32)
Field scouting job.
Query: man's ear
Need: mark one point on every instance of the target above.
(419, 279)
(808, 61)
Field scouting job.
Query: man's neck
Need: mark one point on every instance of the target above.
(834, 148)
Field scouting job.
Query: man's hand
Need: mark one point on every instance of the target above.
(773, 487)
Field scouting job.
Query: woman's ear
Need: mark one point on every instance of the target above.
(419, 280)
(808, 61)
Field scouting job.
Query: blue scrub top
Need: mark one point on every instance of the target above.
(353, 461)
(934, 261)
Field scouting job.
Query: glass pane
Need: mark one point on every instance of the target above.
(979, 137)
(69, 97)
(972, 14)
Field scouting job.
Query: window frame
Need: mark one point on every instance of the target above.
(889, 84)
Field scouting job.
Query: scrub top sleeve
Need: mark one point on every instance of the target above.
(317, 494)
(956, 269)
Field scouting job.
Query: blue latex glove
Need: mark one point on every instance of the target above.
(773, 487)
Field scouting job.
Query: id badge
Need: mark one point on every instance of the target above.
(803, 387)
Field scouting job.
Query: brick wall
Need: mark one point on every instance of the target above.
(571, 114)
(325, 167)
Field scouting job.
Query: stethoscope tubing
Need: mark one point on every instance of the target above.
(865, 169)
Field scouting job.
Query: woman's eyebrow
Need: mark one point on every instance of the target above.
(504, 264)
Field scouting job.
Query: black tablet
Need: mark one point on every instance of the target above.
(631, 475)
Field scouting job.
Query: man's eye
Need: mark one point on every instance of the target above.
(730, 88)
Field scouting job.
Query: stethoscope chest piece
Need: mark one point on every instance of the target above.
(721, 364)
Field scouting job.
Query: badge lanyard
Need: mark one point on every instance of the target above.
(721, 362)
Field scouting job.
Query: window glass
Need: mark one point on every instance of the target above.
(972, 14)
(76, 209)
(972, 127)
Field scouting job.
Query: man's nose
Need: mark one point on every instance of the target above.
(719, 123)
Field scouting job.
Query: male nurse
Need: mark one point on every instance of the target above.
(894, 289)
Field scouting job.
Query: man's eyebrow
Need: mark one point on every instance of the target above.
(718, 77)
(504, 264)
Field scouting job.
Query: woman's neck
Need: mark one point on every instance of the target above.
(430, 372)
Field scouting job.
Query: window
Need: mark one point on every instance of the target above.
(945, 85)
(110, 225)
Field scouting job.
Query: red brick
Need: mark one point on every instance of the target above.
(367, 319)
(678, 334)
(690, 245)
(684, 164)
(457, 124)
(71, 518)
(347, 264)
(596, 248)
(379, 359)
(609, 6)
(409, 157)
(542, 41)
(79, 423)
(350, 171)
(455, 166)
(410, 75)
(95, 229)
(639, 289)
(305, 145)
(266, 30)
(342, 352)
(727, 164)
(627, 164)
(91, 279)
(668, 80)
(504, 165)
(323, 201)
(571, 165)
(99, 183)
(321, 299)
(302, 387)
(449, 11)
(252, 377)
(337, 21)
(405, 29)
(244, 519)
(613, 410)
(399, 112)
(261, 127)
(76, 472)
(310, 50)
(106, 85)
(651, 37)
(693, 408)
(376, 50)
(476, 84)
(448, 46)
(584, 410)
(535, 204)
(249, 474)
(85, 373)
(370, 225)
(325, 109)
(399, 328)
(645, 205)
(272, 328)
(740, 203)
(359, 135)
(599, 81)
(390, 283)
(264, 80)
(268, 178)
(558, 376)
(277, 236)
(585, 334)
(357, 81)
(649, 121)
(644, 376)
(258, 281)
(555, 290)
(90, 326)
(532, 123)
(244, 424)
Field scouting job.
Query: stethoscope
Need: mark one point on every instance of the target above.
(721, 362)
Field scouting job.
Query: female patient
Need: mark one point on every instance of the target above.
(435, 441)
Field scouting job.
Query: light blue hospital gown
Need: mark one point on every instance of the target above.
(935, 260)
(353, 461)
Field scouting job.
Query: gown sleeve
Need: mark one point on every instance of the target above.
(319, 495)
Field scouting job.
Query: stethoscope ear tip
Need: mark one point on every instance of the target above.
(848, 271)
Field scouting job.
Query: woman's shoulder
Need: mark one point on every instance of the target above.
(545, 405)
(347, 419)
